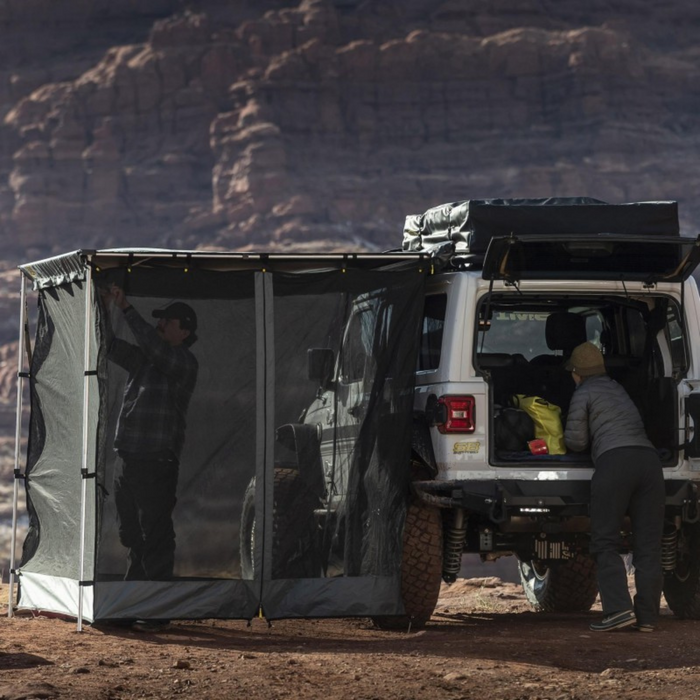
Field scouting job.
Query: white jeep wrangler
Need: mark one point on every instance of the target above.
(517, 284)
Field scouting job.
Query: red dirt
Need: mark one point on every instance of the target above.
(483, 642)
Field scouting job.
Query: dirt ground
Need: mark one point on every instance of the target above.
(483, 643)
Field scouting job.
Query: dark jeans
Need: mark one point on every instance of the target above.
(628, 480)
(145, 500)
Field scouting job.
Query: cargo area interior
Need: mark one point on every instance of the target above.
(524, 340)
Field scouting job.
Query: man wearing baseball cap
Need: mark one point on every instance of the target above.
(628, 479)
(185, 314)
(162, 372)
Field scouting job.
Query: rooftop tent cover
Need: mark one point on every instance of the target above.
(470, 225)
(314, 551)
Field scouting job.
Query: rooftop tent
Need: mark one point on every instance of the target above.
(256, 524)
(554, 237)
(470, 225)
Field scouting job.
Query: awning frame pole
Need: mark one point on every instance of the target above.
(18, 436)
(84, 466)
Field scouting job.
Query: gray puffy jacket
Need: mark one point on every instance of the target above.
(603, 416)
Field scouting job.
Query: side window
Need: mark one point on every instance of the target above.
(431, 332)
(594, 329)
(637, 332)
(674, 335)
(357, 346)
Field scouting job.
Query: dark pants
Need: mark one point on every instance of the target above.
(145, 500)
(628, 480)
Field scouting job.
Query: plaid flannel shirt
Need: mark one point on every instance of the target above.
(157, 392)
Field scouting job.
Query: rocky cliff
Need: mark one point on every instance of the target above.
(323, 122)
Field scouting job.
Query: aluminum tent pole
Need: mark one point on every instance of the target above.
(18, 435)
(87, 373)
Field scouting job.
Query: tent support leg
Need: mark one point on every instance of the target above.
(18, 436)
(84, 466)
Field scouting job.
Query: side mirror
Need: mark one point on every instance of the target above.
(320, 365)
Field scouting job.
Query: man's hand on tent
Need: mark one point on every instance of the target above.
(118, 297)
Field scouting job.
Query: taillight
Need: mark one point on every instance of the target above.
(457, 414)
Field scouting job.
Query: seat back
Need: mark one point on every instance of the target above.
(563, 332)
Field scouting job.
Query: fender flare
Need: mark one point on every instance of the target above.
(422, 454)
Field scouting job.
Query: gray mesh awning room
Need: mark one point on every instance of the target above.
(281, 426)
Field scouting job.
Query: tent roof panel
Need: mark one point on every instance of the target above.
(69, 267)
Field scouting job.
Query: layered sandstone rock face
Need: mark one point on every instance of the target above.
(322, 123)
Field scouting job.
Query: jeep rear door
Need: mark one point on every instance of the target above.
(601, 256)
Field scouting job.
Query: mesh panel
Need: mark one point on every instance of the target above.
(341, 455)
(218, 455)
(54, 461)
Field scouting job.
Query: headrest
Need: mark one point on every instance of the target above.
(494, 359)
(564, 331)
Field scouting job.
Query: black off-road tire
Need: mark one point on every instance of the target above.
(567, 586)
(295, 547)
(682, 586)
(295, 552)
(421, 568)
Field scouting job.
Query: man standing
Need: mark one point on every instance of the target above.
(628, 478)
(162, 373)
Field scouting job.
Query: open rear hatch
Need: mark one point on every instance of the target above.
(624, 243)
(649, 258)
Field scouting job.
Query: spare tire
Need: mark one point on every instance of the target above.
(295, 551)
(565, 586)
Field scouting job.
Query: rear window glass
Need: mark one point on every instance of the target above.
(620, 328)
(516, 332)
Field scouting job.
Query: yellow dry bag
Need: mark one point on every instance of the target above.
(547, 419)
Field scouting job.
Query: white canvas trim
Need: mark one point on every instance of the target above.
(54, 594)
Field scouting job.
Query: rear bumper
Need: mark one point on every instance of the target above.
(498, 499)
